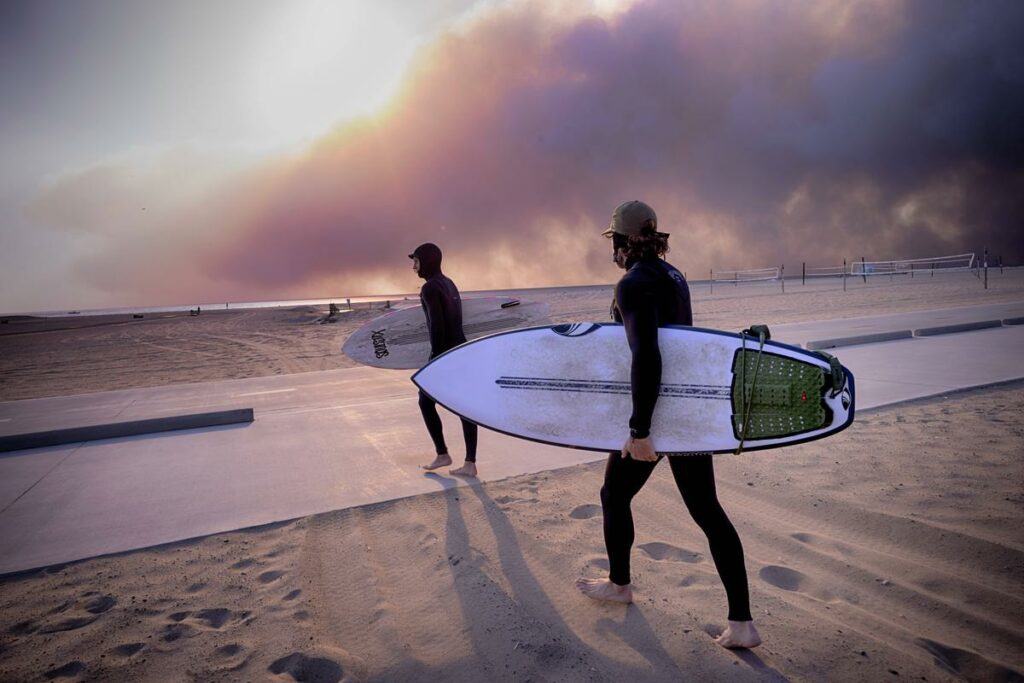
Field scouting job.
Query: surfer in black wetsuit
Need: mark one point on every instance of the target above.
(651, 294)
(443, 308)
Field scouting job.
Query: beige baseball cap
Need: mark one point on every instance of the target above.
(630, 217)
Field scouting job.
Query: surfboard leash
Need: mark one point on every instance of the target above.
(837, 378)
(762, 333)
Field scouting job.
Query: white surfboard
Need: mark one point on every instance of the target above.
(569, 385)
(400, 339)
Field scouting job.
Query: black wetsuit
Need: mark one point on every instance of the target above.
(652, 294)
(443, 307)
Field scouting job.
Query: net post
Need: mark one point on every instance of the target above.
(986, 267)
(782, 277)
(711, 279)
(803, 272)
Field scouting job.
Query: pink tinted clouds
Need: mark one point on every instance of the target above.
(761, 132)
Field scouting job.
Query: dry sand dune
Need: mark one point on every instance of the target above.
(890, 552)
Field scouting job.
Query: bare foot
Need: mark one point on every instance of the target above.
(604, 589)
(440, 461)
(739, 635)
(467, 470)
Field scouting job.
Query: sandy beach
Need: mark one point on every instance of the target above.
(81, 354)
(202, 202)
(889, 552)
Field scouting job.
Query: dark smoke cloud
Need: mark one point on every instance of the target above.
(762, 132)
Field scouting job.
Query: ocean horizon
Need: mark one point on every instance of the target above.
(282, 303)
(414, 296)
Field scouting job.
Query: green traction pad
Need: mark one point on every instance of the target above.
(787, 396)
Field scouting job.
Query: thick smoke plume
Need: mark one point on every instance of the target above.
(762, 133)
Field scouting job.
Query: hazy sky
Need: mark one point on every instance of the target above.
(174, 152)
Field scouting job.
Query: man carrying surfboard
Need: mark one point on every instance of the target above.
(443, 307)
(653, 293)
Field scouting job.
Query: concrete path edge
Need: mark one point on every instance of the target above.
(56, 437)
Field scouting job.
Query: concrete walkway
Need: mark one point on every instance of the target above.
(324, 441)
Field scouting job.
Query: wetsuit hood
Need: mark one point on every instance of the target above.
(429, 255)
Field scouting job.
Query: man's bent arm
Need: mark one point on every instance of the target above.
(640, 320)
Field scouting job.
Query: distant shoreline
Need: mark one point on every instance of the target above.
(406, 296)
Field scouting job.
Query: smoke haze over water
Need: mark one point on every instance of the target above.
(762, 133)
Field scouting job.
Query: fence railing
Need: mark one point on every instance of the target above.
(910, 266)
(861, 268)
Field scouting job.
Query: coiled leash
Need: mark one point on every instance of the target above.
(762, 333)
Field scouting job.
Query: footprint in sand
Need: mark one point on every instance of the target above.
(216, 618)
(231, 657)
(23, 628)
(228, 650)
(968, 665)
(244, 564)
(670, 553)
(821, 542)
(74, 614)
(302, 668)
(71, 670)
(293, 595)
(585, 511)
(508, 500)
(98, 604)
(126, 650)
(791, 580)
(697, 579)
(185, 625)
(172, 633)
(270, 577)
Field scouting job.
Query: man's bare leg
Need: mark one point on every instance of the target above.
(442, 460)
(739, 635)
(604, 589)
(467, 470)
